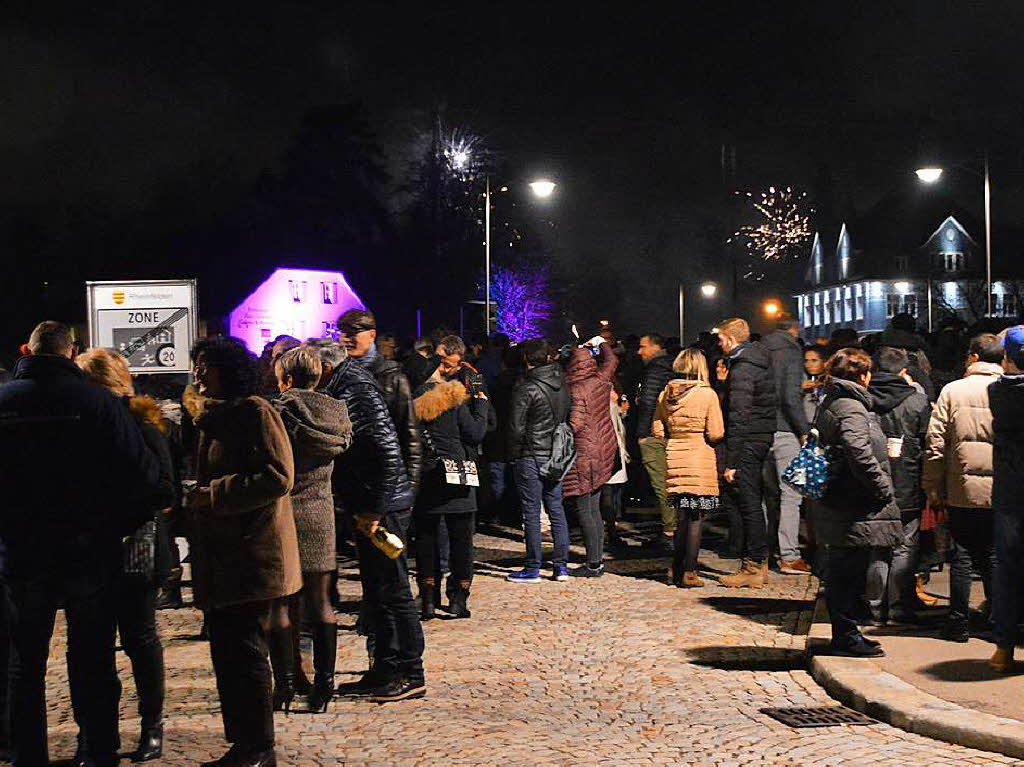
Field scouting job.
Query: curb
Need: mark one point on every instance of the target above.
(863, 686)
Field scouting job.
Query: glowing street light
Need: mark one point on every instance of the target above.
(771, 308)
(709, 290)
(929, 175)
(542, 188)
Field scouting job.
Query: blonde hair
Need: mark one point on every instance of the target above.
(303, 365)
(691, 364)
(736, 328)
(109, 369)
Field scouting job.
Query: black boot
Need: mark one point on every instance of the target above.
(430, 596)
(168, 597)
(151, 743)
(282, 662)
(457, 603)
(325, 654)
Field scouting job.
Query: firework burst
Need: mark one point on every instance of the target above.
(784, 228)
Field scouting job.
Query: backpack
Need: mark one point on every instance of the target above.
(563, 447)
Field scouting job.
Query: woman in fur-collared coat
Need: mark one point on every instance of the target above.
(450, 419)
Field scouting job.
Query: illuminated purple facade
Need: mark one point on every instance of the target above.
(304, 303)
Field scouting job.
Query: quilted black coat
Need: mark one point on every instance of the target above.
(531, 428)
(657, 373)
(750, 403)
(370, 477)
(398, 397)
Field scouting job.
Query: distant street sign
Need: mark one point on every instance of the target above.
(151, 322)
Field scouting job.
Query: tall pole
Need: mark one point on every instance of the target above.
(682, 315)
(988, 240)
(487, 257)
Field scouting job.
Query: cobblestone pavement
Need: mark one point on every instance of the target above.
(621, 670)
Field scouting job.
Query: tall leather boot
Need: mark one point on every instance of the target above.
(752, 575)
(282, 662)
(325, 655)
(149, 684)
(430, 595)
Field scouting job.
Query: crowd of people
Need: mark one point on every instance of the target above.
(271, 468)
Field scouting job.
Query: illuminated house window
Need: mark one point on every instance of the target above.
(859, 293)
(293, 289)
(325, 290)
(897, 303)
(953, 262)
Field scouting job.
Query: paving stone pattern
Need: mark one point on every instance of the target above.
(620, 670)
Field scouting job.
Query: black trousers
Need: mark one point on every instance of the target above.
(429, 530)
(91, 627)
(749, 489)
(389, 605)
(844, 590)
(238, 647)
(972, 545)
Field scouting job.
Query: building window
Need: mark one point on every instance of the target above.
(807, 311)
(953, 262)
(817, 270)
(325, 291)
(902, 264)
(844, 267)
(1004, 305)
(293, 289)
(897, 303)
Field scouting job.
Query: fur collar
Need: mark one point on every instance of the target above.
(146, 410)
(439, 399)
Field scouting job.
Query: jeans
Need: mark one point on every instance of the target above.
(847, 567)
(1008, 536)
(238, 648)
(390, 608)
(971, 530)
(533, 491)
(588, 509)
(428, 530)
(890, 585)
(749, 487)
(784, 449)
(91, 628)
(652, 453)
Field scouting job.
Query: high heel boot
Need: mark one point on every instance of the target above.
(325, 654)
(429, 599)
(282, 662)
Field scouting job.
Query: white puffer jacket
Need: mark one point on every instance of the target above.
(958, 448)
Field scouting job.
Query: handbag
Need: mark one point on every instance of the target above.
(809, 472)
(140, 552)
(460, 472)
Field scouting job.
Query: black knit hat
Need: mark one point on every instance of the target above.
(421, 369)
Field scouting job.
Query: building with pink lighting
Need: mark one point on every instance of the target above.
(304, 303)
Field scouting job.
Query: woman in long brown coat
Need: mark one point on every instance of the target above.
(245, 554)
(597, 448)
(689, 416)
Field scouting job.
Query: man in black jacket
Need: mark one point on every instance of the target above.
(903, 413)
(359, 333)
(62, 539)
(657, 373)
(791, 429)
(372, 484)
(539, 403)
(750, 422)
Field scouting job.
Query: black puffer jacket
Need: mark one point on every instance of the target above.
(657, 373)
(397, 394)
(788, 366)
(859, 508)
(903, 413)
(456, 424)
(370, 477)
(1006, 398)
(531, 427)
(749, 403)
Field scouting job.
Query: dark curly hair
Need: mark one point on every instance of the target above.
(236, 363)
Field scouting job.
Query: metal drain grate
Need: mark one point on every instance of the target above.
(824, 716)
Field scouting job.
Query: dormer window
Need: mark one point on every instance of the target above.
(953, 262)
(902, 264)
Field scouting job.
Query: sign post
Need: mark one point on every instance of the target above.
(151, 322)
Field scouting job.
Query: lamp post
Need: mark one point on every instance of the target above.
(542, 188)
(709, 290)
(930, 175)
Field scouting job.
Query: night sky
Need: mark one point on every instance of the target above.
(142, 124)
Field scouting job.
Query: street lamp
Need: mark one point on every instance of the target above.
(930, 175)
(708, 289)
(542, 188)
(771, 308)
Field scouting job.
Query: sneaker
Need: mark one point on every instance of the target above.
(398, 689)
(526, 575)
(363, 686)
(586, 571)
(794, 567)
(956, 631)
(560, 573)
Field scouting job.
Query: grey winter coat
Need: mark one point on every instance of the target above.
(788, 366)
(319, 430)
(859, 508)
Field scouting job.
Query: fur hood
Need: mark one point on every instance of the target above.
(147, 410)
(438, 399)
